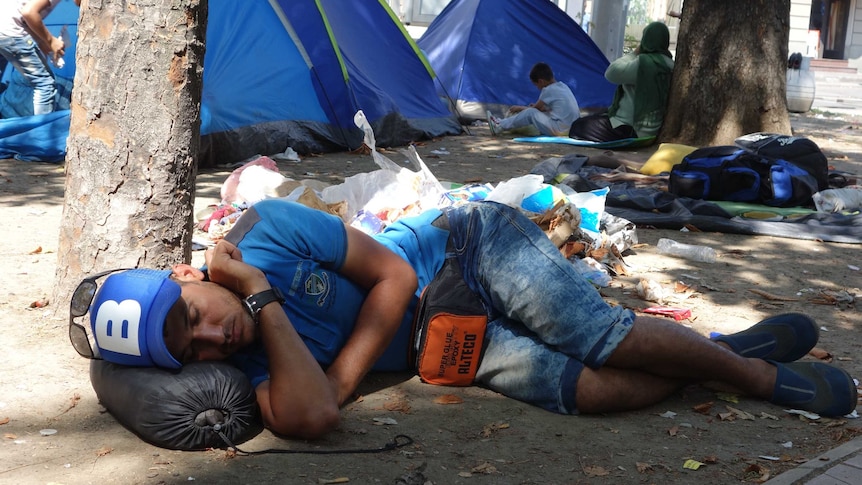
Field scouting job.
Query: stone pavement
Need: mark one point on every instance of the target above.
(841, 466)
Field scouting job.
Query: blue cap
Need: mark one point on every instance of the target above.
(128, 318)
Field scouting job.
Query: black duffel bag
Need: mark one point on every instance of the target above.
(186, 410)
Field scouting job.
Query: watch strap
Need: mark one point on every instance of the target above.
(255, 303)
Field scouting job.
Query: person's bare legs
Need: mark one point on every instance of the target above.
(657, 358)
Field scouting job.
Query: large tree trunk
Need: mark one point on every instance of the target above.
(134, 136)
(729, 77)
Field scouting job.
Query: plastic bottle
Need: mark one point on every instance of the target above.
(703, 254)
(367, 222)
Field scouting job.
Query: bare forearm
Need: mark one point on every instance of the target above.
(297, 400)
(36, 28)
(376, 325)
(301, 401)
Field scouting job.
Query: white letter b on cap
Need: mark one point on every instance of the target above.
(117, 326)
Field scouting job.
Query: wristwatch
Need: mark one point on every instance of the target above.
(255, 303)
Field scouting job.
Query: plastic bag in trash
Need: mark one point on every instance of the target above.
(391, 192)
(592, 270)
(592, 206)
(512, 192)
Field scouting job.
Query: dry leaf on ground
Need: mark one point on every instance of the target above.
(398, 404)
(757, 473)
(596, 471)
(821, 354)
(703, 408)
(741, 414)
(40, 303)
(328, 481)
(448, 399)
(490, 429)
(485, 468)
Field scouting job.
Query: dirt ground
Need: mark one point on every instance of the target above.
(487, 438)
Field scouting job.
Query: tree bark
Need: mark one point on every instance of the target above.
(134, 136)
(730, 72)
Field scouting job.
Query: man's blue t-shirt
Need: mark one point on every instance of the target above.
(300, 250)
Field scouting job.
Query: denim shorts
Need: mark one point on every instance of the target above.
(548, 322)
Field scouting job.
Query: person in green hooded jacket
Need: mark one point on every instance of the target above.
(643, 82)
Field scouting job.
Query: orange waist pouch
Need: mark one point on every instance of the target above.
(449, 330)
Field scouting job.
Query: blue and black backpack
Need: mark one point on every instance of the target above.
(762, 168)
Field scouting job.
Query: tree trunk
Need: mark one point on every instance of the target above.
(730, 72)
(133, 141)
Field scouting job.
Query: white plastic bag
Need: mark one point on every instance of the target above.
(592, 206)
(255, 186)
(391, 192)
(258, 182)
(512, 192)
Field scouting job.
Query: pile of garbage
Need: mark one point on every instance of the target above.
(590, 238)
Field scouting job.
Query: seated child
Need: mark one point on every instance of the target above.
(551, 115)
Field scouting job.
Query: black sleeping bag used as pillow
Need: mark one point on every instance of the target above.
(180, 410)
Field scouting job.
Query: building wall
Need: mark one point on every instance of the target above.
(853, 49)
(800, 15)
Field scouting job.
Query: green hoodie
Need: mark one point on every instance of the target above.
(648, 91)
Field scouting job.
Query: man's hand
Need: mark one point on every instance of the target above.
(226, 267)
(58, 49)
(298, 399)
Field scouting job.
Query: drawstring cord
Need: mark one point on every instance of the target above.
(398, 441)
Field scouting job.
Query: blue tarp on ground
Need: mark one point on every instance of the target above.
(292, 73)
(40, 138)
(482, 52)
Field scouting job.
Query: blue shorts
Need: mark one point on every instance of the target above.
(549, 321)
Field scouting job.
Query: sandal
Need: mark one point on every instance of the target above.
(782, 338)
(816, 387)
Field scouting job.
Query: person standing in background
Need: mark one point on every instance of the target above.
(26, 43)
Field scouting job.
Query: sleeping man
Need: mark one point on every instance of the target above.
(306, 306)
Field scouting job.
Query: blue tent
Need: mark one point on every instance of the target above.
(482, 52)
(292, 73)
